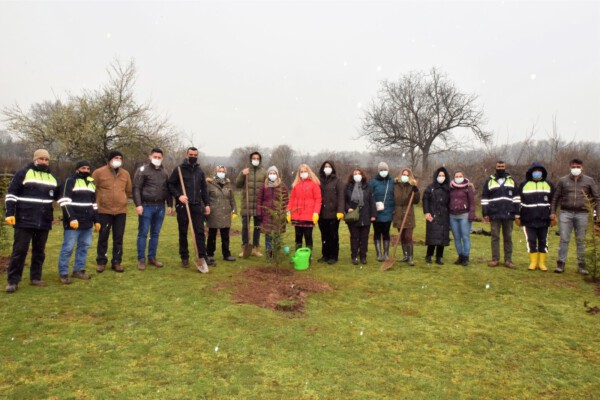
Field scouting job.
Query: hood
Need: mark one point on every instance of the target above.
(436, 173)
(253, 153)
(322, 174)
(536, 166)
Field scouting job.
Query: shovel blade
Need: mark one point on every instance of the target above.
(247, 251)
(387, 264)
(201, 265)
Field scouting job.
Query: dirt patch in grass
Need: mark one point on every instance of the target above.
(280, 289)
(4, 264)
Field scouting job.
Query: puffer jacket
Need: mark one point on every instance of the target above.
(78, 201)
(402, 192)
(29, 198)
(462, 199)
(195, 184)
(150, 185)
(271, 205)
(368, 210)
(436, 201)
(222, 203)
(305, 200)
(569, 194)
(112, 190)
(500, 198)
(383, 190)
(332, 193)
(255, 178)
(536, 197)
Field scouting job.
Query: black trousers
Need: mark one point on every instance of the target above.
(255, 233)
(117, 224)
(439, 251)
(22, 238)
(211, 242)
(359, 240)
(197, 213)
(381, 230)
(306, 233)
(330, 238)
(537, 239)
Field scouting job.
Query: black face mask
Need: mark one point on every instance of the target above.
(84, 175)
(500, 173)
(41, 167)
(192, 160)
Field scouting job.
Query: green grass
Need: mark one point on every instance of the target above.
(420, 333)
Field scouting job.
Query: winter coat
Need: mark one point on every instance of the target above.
(383, 190)
(112, 190)
(368, 210)
(569, 194)
(462, 199)
(332, 193)
(256, 178)
(195, 184)
(222, 203)
(500, 198)
(29, 198)
(269, 210)
(150, 185)
(436, 201)
(535, 199)
(402, 192)
(78, 201)
(305, 200)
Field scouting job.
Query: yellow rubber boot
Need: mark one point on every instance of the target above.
(533, 261)
(542, 262)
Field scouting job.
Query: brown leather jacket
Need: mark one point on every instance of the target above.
(112, 190)
(569, 194)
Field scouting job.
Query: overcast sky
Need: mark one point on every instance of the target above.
(230, 74)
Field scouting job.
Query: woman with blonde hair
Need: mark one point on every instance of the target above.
(305, 204)
(404, 185)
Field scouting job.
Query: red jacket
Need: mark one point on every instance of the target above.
(305, 200)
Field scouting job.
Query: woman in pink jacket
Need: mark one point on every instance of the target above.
(305, 204)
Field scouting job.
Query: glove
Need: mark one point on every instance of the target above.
(10, 220)
(415, 189)
(234, 215)
(339, 216)
(97, 226)
(74, 224)
(315, 218)
(518, 222)
(288, 217)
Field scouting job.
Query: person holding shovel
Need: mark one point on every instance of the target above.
(195, 200)
(405, 185)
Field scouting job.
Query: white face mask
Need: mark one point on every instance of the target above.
(441, 179)
(272, 177)
(404, 178)
(255, 163)
(156, 162)
(116, 163)
(575, 171)
(357, 178)
(459, 180)
(221, 175)
(327, 171)
(383, 174)
(303, 175)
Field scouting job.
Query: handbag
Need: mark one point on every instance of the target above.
(352, 216)
(380, 205)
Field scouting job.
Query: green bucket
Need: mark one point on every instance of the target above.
(301, 259)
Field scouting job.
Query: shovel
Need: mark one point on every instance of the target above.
(247, 247)
(389, 263)
(199, 261)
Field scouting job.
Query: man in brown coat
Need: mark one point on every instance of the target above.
(113, 186)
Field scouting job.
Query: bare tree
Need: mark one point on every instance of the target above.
(419, 114)
(284, 158)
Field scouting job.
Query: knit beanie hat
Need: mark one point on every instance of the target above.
(41, 153)
(273, 168)
(113, 154)
(383, 166)
(82, 163)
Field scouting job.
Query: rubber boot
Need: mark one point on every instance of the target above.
(404, 252)
(386, 249)
(378, 250)
(533, 261)
(409, 251)
(542, 262)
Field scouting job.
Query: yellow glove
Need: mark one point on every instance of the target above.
(339, 216)
(288, 217)
(315, 218)
(10, 220)
(97, 226)
(74, 224)
(234, 215)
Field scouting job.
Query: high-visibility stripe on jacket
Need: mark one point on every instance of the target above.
(500, 198)
(78, 201)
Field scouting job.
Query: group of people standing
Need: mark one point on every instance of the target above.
(98, 201)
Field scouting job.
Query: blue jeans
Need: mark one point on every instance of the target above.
(461, 230)
(83, 239)
(151, 221)
(570, 220)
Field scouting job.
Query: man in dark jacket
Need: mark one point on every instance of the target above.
(536, 195)
(78, 203)
(150, 193)
(29, 209)
(500, 203)
(196, 198)
(570, 195)
(332, 211)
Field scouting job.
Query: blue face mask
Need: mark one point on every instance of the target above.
(536, 174)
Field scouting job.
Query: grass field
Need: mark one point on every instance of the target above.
(425, 332)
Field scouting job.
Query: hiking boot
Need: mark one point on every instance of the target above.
(11, 288)
(229, 258)
(428, 259)
(141, 264)
(117, 268)
(185, 263)
(493, 263)
(458, 260)
(560, 267)
(438, 261)
(355, 261)
(155, 262)
(363, 260)
(465, 261)
(65, 279)
(581, 269)
(256, 252)
(322, 260)
(509, 264)
(100, 268)
(37, 282)
(81, 275)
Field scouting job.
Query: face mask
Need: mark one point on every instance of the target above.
(459, 180)
(156, 162)
(404, 178)
(357, 178)
(41, 167)
(441, 179)
(303, 175)
(84, 175)
(575, 171)
(383, 174)
(221, 175)
(116, 164)
(500, 173)
(255, 163)
(272, 177)
(327, 171)
(536, 174)
(192, 160)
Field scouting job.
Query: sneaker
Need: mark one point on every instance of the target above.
(256, 252)
(81, 275)
(141, 264)
(560, 267)
(100, 268)
(581, 269)
(155, 262)
(65, 279)
(210, 261)
(185, 263)
(11, 288)
(493, 263)
(229, 258)
(509, 264)
(355, 261)
(37, 282)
